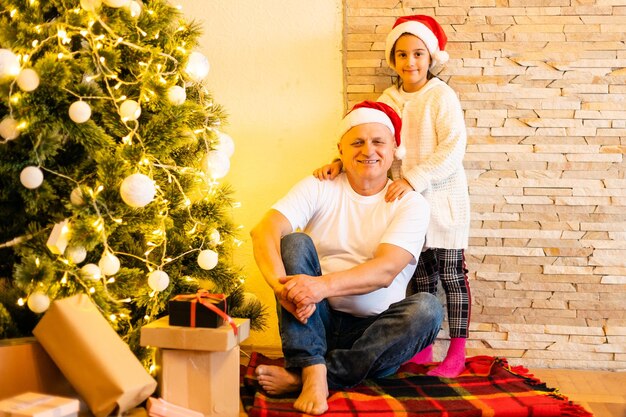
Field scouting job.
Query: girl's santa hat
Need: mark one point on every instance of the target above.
(374, 112)
(424, 27)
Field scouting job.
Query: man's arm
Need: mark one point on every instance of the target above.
(266, 246)
(266, 238)
(378, 272)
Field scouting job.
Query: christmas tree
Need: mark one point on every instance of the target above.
(111, 156)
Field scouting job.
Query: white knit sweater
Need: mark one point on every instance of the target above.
(433, 131)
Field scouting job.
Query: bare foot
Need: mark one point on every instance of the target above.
(312, 399)
(276, 380)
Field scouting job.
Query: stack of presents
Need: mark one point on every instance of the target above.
(77, 365)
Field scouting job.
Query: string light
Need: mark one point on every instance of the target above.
(20, 302)
(161, 72)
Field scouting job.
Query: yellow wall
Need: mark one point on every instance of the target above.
(276, 67)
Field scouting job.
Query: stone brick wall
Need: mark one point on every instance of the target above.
(543, 86)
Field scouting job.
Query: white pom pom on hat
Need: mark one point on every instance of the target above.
(374, 112)
(424, 27)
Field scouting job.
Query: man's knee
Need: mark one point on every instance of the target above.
(427, 308)
(294, 248)
(295, 245)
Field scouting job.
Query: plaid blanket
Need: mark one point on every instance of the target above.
(488, 387)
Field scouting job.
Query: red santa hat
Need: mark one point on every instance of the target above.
(374, 112)
(424, 27)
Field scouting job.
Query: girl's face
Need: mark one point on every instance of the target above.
(412, 61)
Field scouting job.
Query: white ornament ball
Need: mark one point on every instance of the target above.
(207, 259)
(76, 197)
(31, 177)
(9, 129)
(28, 80)
(216, 164)
(76, 254)
(130, 110)
(197, 67)
(90, 5)
(91, 271)
(158, 280)
(109, 264)
(116, 3)
(38, 302)
(137, 190)
(134, 8)
(80, 111)
(9, 63)
(225, 144)
(215, 237)
(176, 95)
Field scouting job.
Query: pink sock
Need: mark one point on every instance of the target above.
(454, 362)
(423, 356)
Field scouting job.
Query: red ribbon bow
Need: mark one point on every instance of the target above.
(203, 297)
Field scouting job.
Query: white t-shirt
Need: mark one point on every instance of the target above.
(347, 227)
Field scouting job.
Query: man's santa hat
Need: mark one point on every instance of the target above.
(424, 27)
(374, 112)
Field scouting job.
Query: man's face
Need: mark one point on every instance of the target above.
(367, 151)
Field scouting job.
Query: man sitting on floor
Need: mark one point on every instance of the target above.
(341, 283)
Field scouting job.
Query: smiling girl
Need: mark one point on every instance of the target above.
(434, 137)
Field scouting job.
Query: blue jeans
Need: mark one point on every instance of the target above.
(353, 348)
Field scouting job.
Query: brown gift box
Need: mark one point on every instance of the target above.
(25, 366)
(91, 355)
(34, 404)
(198, 367)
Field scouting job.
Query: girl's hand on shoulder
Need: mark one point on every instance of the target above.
(328, 171)
(397, 190)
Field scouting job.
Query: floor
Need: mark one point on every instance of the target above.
(602, 393)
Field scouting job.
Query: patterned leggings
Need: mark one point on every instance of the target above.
(449, 266)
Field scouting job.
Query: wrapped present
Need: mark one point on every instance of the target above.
(198, 368)
(93, 358)
(202, 309)
(158, 407)
(26, 367)
(207, 382)
(161, 334)
(30, 404)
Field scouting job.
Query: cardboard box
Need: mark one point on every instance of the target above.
(207, 382)
(25, 366)
(30, 404)
(158, 407)
(161, 334)
(198, 310)
(198, 368)
(91, 355)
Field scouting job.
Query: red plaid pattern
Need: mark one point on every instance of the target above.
(488, 387)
